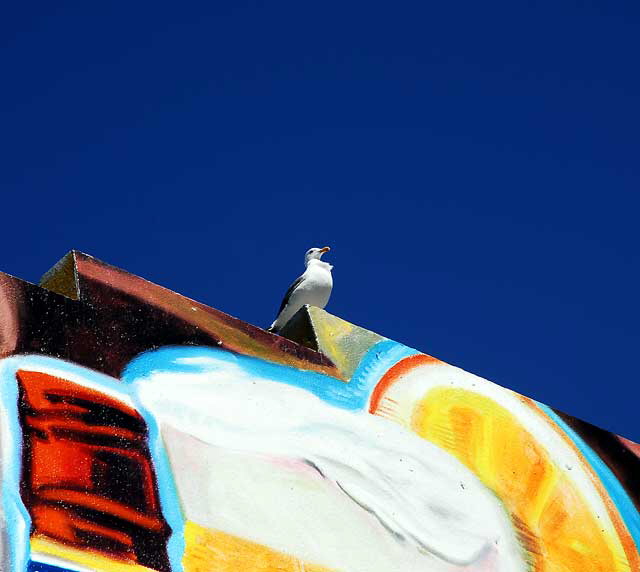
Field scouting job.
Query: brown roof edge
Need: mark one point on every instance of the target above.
(92, 281)
(10, 298)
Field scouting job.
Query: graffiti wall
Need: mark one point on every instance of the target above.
(141, 431)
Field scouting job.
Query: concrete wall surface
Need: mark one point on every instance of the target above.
(141, 430)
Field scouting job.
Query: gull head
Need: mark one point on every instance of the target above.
(315, 254)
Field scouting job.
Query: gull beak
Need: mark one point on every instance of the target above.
(325, 249)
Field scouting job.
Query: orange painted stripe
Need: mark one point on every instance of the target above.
(100, 504)
(61, 420)
(393, 373)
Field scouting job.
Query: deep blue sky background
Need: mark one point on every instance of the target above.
(474, 165)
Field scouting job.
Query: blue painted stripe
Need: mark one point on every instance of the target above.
(381, 357)
(352, 395)
(619, 496)
(167, 490)
(40, 567)
(17, 519)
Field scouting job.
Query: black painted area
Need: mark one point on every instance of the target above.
(624, 464)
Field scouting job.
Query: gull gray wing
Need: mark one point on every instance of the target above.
(290, 291)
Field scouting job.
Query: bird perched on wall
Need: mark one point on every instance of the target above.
(313, 287)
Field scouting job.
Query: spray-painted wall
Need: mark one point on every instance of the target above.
(141, 430)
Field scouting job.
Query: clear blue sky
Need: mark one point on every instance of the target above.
(474, 165)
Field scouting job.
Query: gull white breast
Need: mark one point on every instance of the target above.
(313, 287)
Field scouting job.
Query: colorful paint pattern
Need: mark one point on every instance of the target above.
(140, 430)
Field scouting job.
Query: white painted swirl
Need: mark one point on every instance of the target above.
(276, 465)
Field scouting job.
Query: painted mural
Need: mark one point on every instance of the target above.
(143, 431)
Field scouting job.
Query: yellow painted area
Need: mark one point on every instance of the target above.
(330, 333)
(342, 342)
(86, 558)
(557, 528)
(205, 551)
(213, 551)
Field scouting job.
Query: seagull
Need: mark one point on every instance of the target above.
(312, 288)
